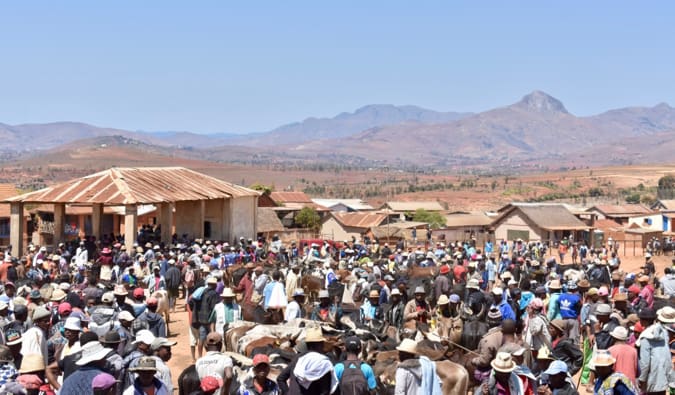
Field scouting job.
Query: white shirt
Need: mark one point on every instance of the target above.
(213, 363)
(292, 311)
(33, 342)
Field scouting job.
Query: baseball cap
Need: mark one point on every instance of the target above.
(214, 338)
(261, 358)
(152, 301)
(353, 344)
(103, 381)
(138, 292)
(144, 336)
(125, 316)
(556, 367)
(161, 342)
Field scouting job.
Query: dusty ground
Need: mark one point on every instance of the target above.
(179, 321)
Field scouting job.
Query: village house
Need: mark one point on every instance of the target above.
(538, 222)
(288, 204)
(618, 212)
(346, 205)
(405, 210)
(348, 226)
(667, 209)
(463, 226)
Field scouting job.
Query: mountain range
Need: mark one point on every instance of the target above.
(535, 131)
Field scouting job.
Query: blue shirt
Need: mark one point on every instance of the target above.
(365, 368)
(569, 304)
(507, 311)
(80, 381)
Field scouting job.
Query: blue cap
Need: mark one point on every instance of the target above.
(556, 367)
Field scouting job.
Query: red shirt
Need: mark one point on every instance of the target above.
(459, 272)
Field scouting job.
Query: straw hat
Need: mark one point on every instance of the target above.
(92, 351)
(227, 293)
(559, 325)
(58, 295)
(603, 358)
(619, 333)
(120, 291)
(544, 353)
(620, 297)
(40, 312)
(666, 315)
(442, 300)
(555, 284)
(314, 335)
(32, 363)
(408, 345)
(503, 363)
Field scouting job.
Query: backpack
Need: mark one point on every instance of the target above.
(353, 381)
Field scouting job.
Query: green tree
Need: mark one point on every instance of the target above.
(633, 198)
(434, 219)
(666, 188)
(265, 189)
(308, 218)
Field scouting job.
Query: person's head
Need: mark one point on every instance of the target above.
(420, 295)
(261, 367)
(497, 295)
(395, 296)
(146, 370)
(41, 318)
(143, 342)
(152, 304)
(324, 298)
(314, 339)
(72, 329)
(374, 297)
(502, 366)
(557, 373)
(126, 319)
(10, 289)
(212, 282)
(214, 341)
(494, 317)
(276, 276)
(161, 347)
(647, 317)
(602, 312)
(228, 296)
(604, 363)
(299, 296)
(509, 327)
(556, 328)
(407, 350)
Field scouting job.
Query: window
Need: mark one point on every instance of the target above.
(512, 235)
(4, 227)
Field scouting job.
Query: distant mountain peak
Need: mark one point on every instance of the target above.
(541, 102)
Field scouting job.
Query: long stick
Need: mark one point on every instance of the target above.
(462, 347)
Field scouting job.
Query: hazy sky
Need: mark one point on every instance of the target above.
(219, 66)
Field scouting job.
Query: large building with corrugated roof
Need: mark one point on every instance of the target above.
(187, 203)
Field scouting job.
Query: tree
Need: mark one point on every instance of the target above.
(666, 188)
(308, 218)
(265, 189)
(434, 219)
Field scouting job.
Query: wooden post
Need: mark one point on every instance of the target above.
(130, 226)
(16, 228)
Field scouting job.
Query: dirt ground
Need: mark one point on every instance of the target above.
(179, 324)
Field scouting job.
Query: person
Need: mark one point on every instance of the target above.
(32, 375)
(609, 380)
(258, 383)
(225, 312)
(34, 341)
(326, 311)
(143, 343)
(371, 309)
(150, 320)
(442, 282)
(499, 301)
(394, 314)
(654, 354)
(565, 349)
(203, 309)
(215, 363)
(104, 384)
(161, 348)
(626, 356)
(172, 278)
(415, 375)
(536, 330)
(293, 279)
(416, 310)
(90, 364)
(556, 382)
(246, 284)
(312, 373)
(502, 380)
(294, 308)
(146, 383)
(553, 310)
(355, 377)
(569, 305)
(8, 370)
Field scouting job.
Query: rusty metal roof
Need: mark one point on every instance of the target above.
(290, 197)
(618, 210)
(360, 219)
(140, 185)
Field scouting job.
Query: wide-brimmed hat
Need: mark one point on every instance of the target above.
(420, 290)
(442, 300)
(408, 345)
(666, 315)
(145, 364)
(619, 333)
(585, 284)
(314, 335)
(32, 363)
(559, 325)
(111, 337)
(40, 312)
(603, 358)
(120, 291)
(503, 363)
(227, 293)
(555, 284)
(92, 351)
(544, 353)
(620, 297)
(58, 295)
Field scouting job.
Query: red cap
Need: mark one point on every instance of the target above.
(139, 293)
(210, 384)
(261, 358)
(445, 269)
(152, 301)
(65, 308)
(634, 289)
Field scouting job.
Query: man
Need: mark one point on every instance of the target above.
(126, 336)
(394, 315)
(647, 291)
(536, 331)
(90, 364)
(67, 365)
(370, 309)
(502, 380)
(608, 379)
(476, 299)
(557, 382)
(499, 301)
(293, 279)
(225, 312)
(143, 343)
(417, 310)
(655, 362)
(203, 308)
(565, 349)
(553, 310)
(415, 375)
(326, 311)
(294, 308)
(442, 282)
(161, 348)
(490, 344)
(352, 373)
(246, 284)
(259, 383)
(668, 283)
(34, 341)
(569, 305)
(626, 356)
(172, 278)
(215, 363)
(150, 320)
(311, 372)
(146, 383)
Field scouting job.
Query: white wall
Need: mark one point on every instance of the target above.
(244, 212)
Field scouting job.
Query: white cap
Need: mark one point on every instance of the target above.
(73, 324)
(144, 336)
(125, 316)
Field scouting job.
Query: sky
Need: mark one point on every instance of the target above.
(250, 66)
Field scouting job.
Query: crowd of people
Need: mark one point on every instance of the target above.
(88, 316)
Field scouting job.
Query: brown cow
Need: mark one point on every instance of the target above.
(311, 285)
